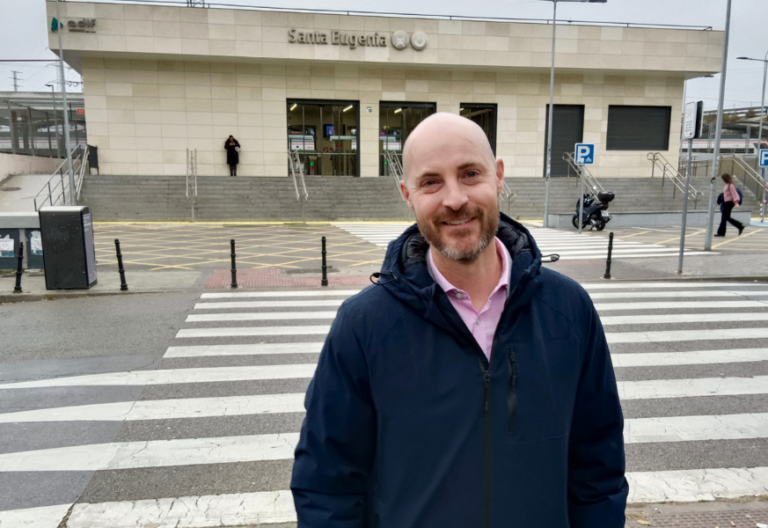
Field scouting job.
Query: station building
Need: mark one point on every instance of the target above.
(342, 89)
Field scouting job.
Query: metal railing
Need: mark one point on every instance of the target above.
(669, 172)
(507, 195)
(190, 187)
(296, 168)
(593, 186)
(56, 192)
(747, 173)
(395, 169)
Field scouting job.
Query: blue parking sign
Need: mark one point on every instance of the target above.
(584, 153)
(764, 157)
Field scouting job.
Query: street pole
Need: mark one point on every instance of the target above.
(66, 113)
(762, 103)
(581, 196)
(685, 205)
(718, 133)
(551, 114)
(55, 121)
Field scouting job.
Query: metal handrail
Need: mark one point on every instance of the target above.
(190, 188)
(748, 171)
(51, 193)
(84, 165)
(297, 173)
(668, 171)
(591, 182)
(395, 169)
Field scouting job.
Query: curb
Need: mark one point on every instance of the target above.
(56, 295)
(64, 294)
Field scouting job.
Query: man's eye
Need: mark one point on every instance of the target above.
(428, 183)
(472, 174)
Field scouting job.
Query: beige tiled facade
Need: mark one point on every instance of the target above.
(159, 80)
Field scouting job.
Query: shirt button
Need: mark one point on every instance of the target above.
(478, 321)
(459, 296)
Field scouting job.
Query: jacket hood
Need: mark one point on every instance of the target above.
(405, 273)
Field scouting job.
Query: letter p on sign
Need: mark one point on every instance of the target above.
(584, 153)
(764, 157)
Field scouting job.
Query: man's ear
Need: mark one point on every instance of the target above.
(500, 175)
(406, 194)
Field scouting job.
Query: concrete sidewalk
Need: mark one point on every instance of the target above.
(731, 266)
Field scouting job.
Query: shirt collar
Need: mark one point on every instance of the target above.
(447, 287)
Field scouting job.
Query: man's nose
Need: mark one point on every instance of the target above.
(455, 197)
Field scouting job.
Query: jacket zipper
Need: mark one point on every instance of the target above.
(487, 451)
(512, 394)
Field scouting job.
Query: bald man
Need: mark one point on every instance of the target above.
(470, 387)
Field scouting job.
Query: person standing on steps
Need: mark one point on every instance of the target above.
(731, 201)
(470, 387)
(233, 158)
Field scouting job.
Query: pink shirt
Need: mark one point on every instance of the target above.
(481, 324)
(730, 194)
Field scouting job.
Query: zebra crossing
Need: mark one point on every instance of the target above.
(210, 441)
(568, 244)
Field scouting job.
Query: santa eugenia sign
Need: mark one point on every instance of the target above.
(338, 38)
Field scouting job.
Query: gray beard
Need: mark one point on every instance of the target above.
(465, 257)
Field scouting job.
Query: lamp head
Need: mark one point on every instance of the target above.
(742, 58)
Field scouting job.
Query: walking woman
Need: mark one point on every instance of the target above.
(233, 158)
(731, 200)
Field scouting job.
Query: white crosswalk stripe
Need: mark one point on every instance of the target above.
(568, 244)
(689, 325)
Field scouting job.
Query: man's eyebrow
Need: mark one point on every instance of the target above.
(469, 164)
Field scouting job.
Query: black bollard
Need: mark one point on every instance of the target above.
(324, 280)
(234, 267)
(608, 262)
(17, 288)
(120, 268)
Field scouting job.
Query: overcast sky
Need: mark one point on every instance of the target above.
(24, 32)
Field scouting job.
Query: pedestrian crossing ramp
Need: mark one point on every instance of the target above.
(210, 441)
(569, 245)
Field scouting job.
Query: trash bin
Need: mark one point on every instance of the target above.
(69, 256)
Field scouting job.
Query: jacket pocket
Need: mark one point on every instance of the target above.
(542, 379)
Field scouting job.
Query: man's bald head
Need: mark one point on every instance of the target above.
(440, 129)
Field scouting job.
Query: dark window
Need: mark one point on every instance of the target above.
(485, 116)
(638, 127)
(567, 130)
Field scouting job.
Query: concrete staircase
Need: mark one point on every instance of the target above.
(162, 198)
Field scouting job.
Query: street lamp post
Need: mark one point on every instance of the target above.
(718, 133)
(762, 115)
(65, 112)
(551, 101)
(55, 120)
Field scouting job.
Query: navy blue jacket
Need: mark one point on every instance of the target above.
(409, 426)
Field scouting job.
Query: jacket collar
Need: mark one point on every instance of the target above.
(405, 273)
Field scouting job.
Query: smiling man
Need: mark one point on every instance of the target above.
(470, 387)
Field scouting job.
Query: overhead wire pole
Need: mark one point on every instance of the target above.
(760, 131)
(15, 80)
(65, 112)
(718, 134)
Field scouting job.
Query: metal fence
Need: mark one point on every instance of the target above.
(37, 132)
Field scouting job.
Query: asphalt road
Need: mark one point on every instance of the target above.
(196, 401)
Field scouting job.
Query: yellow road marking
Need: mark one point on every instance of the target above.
(734, 239)
(677, 238)
(634, 234)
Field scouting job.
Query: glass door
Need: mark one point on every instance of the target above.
(326, 134)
